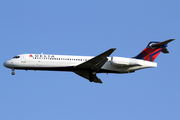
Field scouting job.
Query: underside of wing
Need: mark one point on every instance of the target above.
(89, 68)
(89, 76)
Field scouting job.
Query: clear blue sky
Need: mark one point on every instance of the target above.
(89, 28)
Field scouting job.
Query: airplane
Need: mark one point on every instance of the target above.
(88, 66)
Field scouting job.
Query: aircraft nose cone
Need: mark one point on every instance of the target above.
(7, 64)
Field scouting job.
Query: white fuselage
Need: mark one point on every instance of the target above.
(68, 63)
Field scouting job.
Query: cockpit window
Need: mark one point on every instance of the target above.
(16, 57)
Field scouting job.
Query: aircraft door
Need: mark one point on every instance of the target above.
(23, 59)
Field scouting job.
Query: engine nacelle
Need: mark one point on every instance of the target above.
(119, 61)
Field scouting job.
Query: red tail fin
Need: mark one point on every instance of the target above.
(153, 50)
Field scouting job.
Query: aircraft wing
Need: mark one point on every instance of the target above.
(89, 68)
(89, 76)
(97, 62)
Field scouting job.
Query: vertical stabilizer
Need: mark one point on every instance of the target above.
(153, 49)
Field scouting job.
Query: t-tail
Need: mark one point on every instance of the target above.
(153, 50)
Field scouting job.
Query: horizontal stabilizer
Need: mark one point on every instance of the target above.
(165, 50)
(160, 44)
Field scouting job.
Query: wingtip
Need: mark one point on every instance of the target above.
(171, 40)
(113, 48)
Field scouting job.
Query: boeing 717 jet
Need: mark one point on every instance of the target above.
(88, 66)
